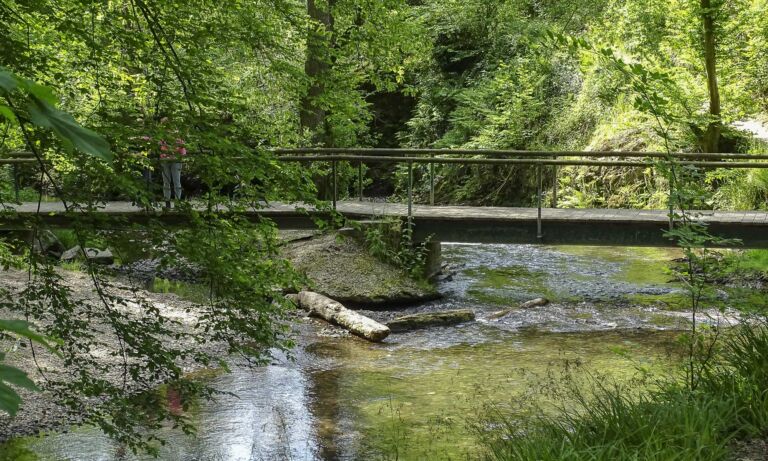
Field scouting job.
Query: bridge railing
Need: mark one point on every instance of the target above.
(539, 159)
(16, 159)
(431, 157)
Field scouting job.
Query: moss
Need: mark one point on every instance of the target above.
(746, 263)
(487, 297)
(73, 266)
(342, 269)
(665, 321)
(503, 277)
(741, 299)
(677, 301)
(15, 450)
(583, 315)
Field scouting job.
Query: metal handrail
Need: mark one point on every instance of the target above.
(411, 156)
(510, 161)
(508, 153)
(437, 156)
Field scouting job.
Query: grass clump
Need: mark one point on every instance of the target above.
(669, 420)
(747, 262)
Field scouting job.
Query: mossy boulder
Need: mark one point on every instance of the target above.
(341, 268)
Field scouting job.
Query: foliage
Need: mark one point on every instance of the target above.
(668, 421)
(694, 415)
(39, 110)
(494, 80)
(12, 376)
(392, 242)
(232, 79)
(121, 66)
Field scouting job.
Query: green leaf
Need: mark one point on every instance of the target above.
(41, 92)
(9, 399)
(13, 375)
(6, 112)
(8, 81)
(45, 115)
(21, 328)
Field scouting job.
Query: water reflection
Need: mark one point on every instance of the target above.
(267, 418)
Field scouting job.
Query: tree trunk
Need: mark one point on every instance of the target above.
(316, 67)
(711, 141)
(334, 312)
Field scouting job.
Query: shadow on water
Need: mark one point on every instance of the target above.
(413, 396)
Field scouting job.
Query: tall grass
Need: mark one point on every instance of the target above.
(668, 421)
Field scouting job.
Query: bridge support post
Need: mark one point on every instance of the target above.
(16, 181)
(434, 261)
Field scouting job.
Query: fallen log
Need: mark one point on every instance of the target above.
(429, 319)
(334, 312)
(526, 305)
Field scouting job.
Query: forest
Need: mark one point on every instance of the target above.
(88, 87)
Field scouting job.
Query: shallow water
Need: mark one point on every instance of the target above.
(416, 395)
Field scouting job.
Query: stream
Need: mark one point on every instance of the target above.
(419, 395)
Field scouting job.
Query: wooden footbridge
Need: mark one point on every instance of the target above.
(540, 224)
(556, 226)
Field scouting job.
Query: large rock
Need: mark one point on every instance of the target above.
(94, 255)
(341, 268)
(430, 319)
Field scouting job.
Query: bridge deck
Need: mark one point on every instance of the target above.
(475, 224)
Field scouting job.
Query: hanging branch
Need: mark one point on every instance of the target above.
(168, 51)
(81, 241)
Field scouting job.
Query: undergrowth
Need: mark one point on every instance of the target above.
(392, 242)
(666, 421)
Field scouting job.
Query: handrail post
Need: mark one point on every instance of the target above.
(432, 183)
(360, 181)
(670, 199)
(410, 192)
(335, 183)
(539, 235)
(554, 186)
(16, 181)
(671, 209)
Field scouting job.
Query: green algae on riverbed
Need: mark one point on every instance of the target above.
(16, 450)
(569, 274)
(719, 298)
(639, 265)
(500, 285)
(417, 404)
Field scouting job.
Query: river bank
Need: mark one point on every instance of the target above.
(331, 263)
